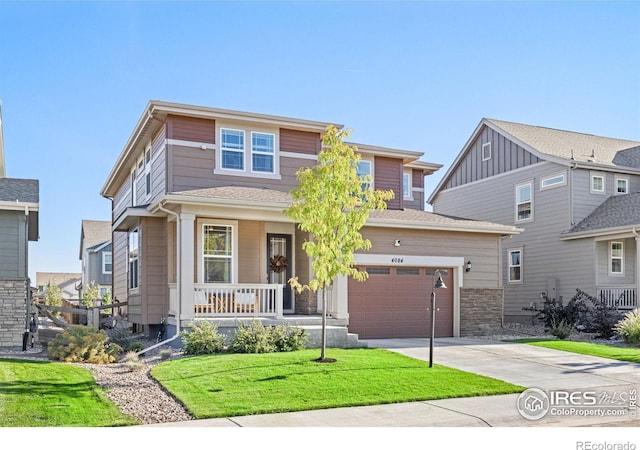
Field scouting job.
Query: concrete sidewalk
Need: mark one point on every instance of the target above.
(520, 364)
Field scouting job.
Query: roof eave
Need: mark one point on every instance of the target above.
(600, 232)
(422, 225)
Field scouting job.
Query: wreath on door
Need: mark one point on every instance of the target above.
(278, 263)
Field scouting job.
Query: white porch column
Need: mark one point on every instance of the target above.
(187, 271)
(340, 295)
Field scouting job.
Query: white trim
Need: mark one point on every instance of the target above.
(611, 272)
(125, 197)
(554, 184)
(200, 223)
(183, 143)
(410, 175)
(274, 154)
(521, 265)
(593, 175)
(615, 185)
(103, 263)
(517, 186)
(284, 154)
(371, 168)
(486, 145)
(17, 206)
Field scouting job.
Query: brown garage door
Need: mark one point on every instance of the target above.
(393, 302)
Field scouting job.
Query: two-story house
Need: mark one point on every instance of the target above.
(19, 205)
(96, 255)
(577, 197)
(198, 195)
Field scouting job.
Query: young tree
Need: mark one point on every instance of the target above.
(53, 295)
(332, 203)
(91, 293)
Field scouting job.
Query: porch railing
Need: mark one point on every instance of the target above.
(624, 297)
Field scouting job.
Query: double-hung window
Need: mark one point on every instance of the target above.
(515, 266)
(616, 255)
(622, 185)
(364, 171)
(262, 152)
(107, 263)
(597, 183)
(524, 204)
(134, 257)
(232, 149)
(217, 253)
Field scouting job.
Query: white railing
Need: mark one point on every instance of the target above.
(238, 300)
(624, 297)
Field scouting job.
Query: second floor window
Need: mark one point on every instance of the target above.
(262, 152)
(524, 210)
(232, 149)
(364, 171)
(107, 263)
(622, 186)
(597, 184)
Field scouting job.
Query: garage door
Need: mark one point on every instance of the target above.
(393, 302)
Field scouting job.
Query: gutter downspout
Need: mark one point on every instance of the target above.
(178, 287)
(25, 336)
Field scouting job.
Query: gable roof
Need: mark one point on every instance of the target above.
(617, 213)
(94, 233)
(551, 144)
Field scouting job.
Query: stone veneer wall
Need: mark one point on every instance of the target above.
(480, 311)
(13, 312)
(306, 302)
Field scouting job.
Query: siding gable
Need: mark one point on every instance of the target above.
(388, 176)
(505, 157)
(295, 141)
(191, 129)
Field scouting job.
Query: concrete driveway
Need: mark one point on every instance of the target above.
(520, 364)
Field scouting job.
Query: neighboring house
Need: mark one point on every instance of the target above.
(577, 197)
(67, 282)
(199, 232)
(19, 204)
(96, 255)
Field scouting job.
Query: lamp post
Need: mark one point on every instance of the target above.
(439, 284)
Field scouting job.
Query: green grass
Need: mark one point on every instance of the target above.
(587, 348)
(47, 394)
(228, 385)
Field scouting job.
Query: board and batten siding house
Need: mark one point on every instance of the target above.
(577, 197)
(199, 232)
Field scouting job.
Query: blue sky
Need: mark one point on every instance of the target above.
(76, 76)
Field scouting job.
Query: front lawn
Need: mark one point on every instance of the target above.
(228, 385)
(629, 354)
(48, 394)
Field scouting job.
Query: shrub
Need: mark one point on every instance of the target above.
(132, 361)
(80, 343)
(203, 339)
(135, 346)
(561, 330)
(165, 354)
(252, 338)
(629, 327)
(288, 339)
(121, 337)
(602, 318)
(554, 312)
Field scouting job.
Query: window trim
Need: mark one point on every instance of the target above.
(611, 258)
(104, 268)
(130, 284)
(509, 265)
(272, 154)
(594, 175)
(408, 196)
(518, 203)
(248, 130)
(626, 181)
(486, 145)
(554, 184)
(243, 152)
(233, 224)
(147, 172)
(369, 161)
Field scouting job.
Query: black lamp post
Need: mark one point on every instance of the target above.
(438, 285)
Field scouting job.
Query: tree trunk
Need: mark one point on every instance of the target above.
(324, 324)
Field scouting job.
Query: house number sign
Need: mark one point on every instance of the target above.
(397, 260)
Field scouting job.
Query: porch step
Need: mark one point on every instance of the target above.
(337, 337)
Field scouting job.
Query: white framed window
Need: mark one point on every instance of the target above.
(365, 170)
(616, 258)
(107, 263)
(622, 185)
(218, 244)
(134, 188)
(147, 172)
(263, 152)
(133, 250)
(524, 202)
(597, 183)
(232, 149)
(486, 151)
(553, 181)
(104, 291)
(515, 266)
(407, 188)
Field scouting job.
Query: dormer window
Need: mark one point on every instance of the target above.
(622, 185)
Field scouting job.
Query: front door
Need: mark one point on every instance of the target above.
(279, 266)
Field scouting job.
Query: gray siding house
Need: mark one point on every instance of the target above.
(577, 197)
(19, 202)
(199, 232)
(96, 255)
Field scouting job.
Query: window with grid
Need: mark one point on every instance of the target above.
(616, 266)
(232, 149)
(515, 266)
(217, 253)
(524, 210)
(262, 152)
